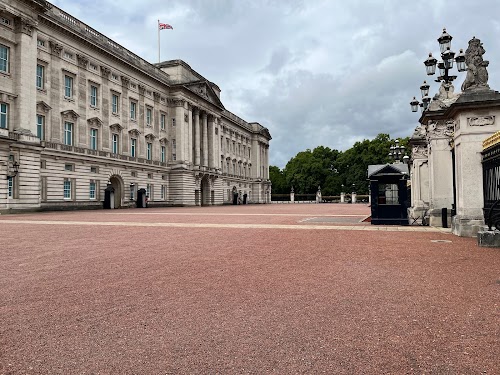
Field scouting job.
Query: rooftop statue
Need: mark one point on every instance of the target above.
(477, 75)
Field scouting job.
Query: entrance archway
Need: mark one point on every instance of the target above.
(205, 191)
(117, 183)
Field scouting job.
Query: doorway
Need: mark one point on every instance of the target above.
(117, 184)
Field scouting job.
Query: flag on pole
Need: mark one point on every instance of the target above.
(163, 26)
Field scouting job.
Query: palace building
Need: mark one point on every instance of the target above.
(80, 113)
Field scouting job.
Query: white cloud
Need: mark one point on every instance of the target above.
(315, 72)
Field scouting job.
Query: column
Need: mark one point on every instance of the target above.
(211, 146)
(56, 92)
(104, 105)
(179, 131)
(80, 84)
(189, 144)
(204, 127)
(25, 63)
(197, 136)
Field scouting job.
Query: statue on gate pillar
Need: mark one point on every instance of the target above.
(477, 75)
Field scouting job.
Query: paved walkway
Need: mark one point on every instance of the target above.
(279, 289)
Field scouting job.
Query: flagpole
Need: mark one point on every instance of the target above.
(158, 41)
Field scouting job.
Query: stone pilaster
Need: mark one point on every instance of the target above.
(204, 127)
(180, 127)
(25, 60)
(104, 105)
(81, 82)
(125, 115)
(197, 146)
(210, 139)
(56, 92)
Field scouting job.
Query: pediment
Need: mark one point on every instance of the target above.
(41, 106)
(205, 91)
(94, 121)
(134, 132)
(69, 115)
(163, 141)
(150, 137)
(265, 133)
(116, 127)
(387, 169)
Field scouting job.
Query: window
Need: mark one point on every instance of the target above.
(93, 139)
(114, 103)
(40, 76)
(4, 59)
(114, 143)
(40, 42)
(68, 55)
(93, 96)
(150, 175)
(68, 133)
(69, 167)
(5, 21)
(149, 116)
(67, 188)
(40, 127)
(163, 119)
(92, 187)
(388, 194)
(149, 150)
(148, 190)
(94, 169)
(4, 115)
(162, 154)
(68, 86)
(114, 76)
(174, 150)
(133, 146)
(133, 110)
(173, 122)
(93, 66)
(227, 145)
(10, 184)
(163, 192)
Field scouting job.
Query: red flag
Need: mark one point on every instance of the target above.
(163, 26)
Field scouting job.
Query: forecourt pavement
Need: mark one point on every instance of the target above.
(282, 289)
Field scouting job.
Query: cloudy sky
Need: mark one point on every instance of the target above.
(315, 72)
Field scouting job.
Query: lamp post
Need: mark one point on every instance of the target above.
(397, 152)
(444, 66)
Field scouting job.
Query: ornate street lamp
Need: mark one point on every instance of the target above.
(444, 66)
(397, 152)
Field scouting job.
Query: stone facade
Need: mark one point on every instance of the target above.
(80, 112)
(447, 170)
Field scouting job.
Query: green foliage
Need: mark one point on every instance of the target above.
(331, 169)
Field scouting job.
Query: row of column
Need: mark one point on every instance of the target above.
(204, 136)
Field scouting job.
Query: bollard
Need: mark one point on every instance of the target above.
(444, 217)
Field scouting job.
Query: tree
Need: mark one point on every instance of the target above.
(278, 181)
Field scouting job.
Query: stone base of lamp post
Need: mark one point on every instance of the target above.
(487, 238)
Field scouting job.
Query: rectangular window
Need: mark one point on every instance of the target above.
(93, 139)
(40, 42)
(133, 110)
(10, 184)
(92, 190)
(4, 59)
(163, 119)
(4, 115)
(148, 190)
(67, 188)
(149, 150)
(149, 116)
(133, 146)
(162, 154)
(69, 167)
(68, 133)
(68, 86)
(114, 103)
(68, 55)
(93, 170)
(114, 143)
(93, 96)
(40, 76)
(40, 127)
(173, 122)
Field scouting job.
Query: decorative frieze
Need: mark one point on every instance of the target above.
(481, 120)
(440, 129)
(419, 152)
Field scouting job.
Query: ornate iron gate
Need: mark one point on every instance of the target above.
(491, 185)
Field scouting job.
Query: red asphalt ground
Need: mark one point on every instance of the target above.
(139, 296)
